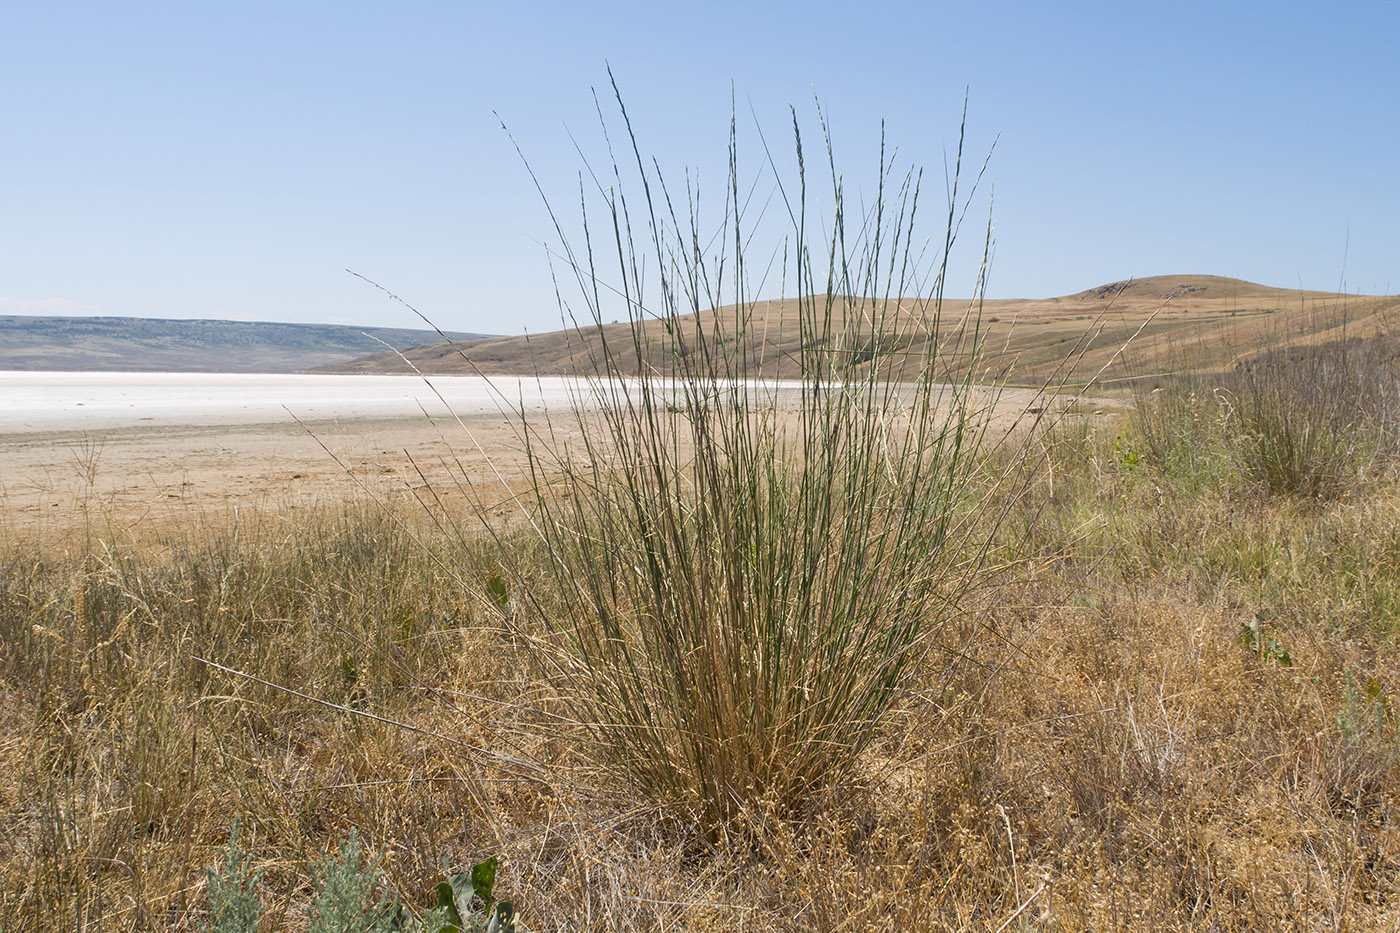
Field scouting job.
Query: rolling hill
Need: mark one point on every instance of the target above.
(1116, 331)
(154, 345)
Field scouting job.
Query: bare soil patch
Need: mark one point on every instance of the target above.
(141, 481)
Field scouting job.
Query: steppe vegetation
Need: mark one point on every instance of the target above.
(888, 661)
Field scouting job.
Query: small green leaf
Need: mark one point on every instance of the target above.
(503, 919)
(496, 589)
(446, 900)
(1278, 653)
(484, 878)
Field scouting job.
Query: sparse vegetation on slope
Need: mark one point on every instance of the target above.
(1207, 319)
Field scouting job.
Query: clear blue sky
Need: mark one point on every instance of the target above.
(231, 160)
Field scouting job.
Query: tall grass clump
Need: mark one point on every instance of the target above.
(1316, 419)
(1303, 420)
(753, 551)
(1179, 430)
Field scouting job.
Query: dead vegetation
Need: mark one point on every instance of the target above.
(1178, 714)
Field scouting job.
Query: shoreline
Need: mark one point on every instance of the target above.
(146, 468)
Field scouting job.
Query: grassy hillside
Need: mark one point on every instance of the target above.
(1209, 319)
(153, 345)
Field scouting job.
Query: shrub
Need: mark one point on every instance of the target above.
(350, 897)
(347, 895)
(1181, 430)
(1366, 747)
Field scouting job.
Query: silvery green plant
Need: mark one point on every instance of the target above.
(232, 891)
(349, 898)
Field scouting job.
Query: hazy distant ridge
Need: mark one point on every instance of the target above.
(136, 344)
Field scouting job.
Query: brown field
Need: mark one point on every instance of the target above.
(1171, 702)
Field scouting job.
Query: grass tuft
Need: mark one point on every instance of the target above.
(1305, 421)
(747, 573)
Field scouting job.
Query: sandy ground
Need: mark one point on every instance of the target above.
(141, 482)
(135, 454)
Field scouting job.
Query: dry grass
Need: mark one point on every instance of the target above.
(1119, 752)
(126, 751)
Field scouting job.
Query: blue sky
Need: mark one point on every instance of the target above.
(232, 160)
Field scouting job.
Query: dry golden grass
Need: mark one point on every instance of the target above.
(1111, 754)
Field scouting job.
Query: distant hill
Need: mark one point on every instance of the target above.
(153, 345)
(1202, 321)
